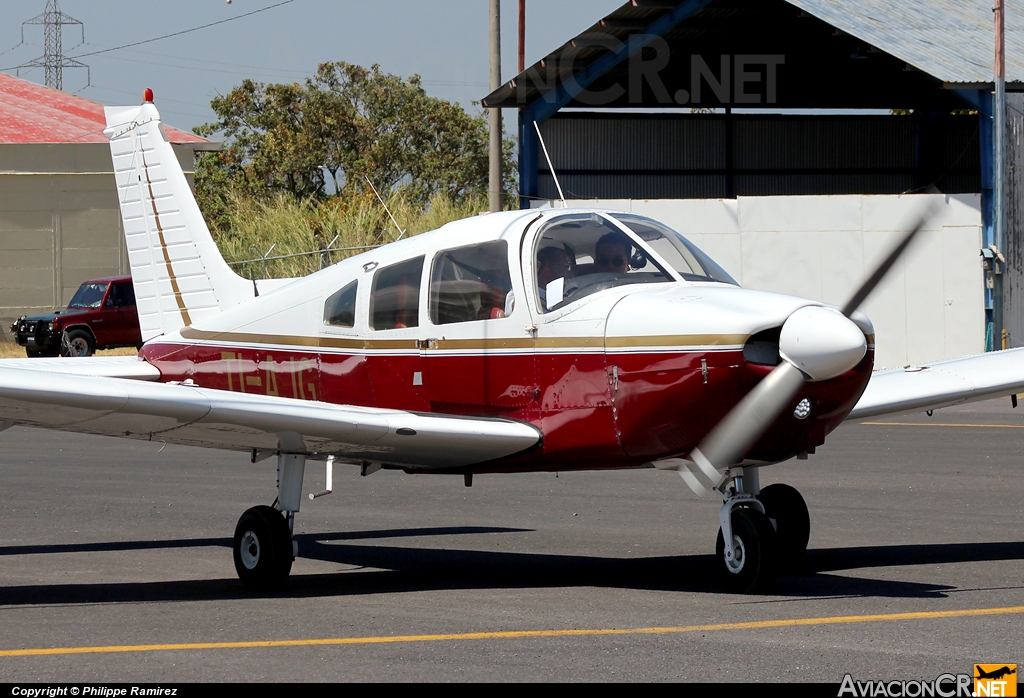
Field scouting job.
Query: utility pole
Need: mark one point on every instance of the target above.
(495, 116)
(522, 36)
(999, 188)
(53, 61)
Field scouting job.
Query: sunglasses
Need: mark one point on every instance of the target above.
(610, 261)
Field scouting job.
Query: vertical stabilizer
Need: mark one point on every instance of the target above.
(179, 274)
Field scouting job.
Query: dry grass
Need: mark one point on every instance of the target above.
(302, 226)
(11, 350)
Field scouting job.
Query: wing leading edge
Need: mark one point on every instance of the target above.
(186, 414)
(942, 384)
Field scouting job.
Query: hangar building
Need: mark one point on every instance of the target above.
(59, 218)
(792, 138)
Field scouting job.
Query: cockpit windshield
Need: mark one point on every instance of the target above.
(580, 254)
(88, 296)
(683, 256)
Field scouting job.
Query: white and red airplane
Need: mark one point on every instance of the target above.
(521, 341)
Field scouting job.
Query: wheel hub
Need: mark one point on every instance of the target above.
(250, 550)
(735, 563)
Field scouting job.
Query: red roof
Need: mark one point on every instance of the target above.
(31, 113)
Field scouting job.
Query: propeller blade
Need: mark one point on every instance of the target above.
(868, 286)
(732, 437)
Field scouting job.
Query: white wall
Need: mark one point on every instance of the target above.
(931, 306)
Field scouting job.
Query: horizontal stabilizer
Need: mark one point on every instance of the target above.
(130, 367)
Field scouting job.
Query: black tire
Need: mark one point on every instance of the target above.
(263, 548)
(792, 520)
(33, 352)
(754, 537)
(77, 343)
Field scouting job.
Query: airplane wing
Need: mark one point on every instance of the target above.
(942, 384)
(187, 414)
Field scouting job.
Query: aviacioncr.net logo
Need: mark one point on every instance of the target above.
(945, 686)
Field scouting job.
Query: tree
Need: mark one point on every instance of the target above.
(347, 123)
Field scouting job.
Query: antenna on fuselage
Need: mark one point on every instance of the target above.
(401, 233)
(551, 167)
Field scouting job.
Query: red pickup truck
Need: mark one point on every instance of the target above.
(102, 315)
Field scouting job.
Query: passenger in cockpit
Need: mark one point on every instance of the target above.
(552, 263)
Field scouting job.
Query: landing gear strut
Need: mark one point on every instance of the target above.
(746, 547)
(264, 546)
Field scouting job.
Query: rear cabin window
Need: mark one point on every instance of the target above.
(395, 297)
(340, 309)
(470, 283)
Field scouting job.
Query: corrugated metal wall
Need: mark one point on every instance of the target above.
(648, 156)
(60, 223)
(1013, 279)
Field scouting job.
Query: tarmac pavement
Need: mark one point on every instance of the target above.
(532, 577)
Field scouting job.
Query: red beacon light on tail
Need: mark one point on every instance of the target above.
(147, 95)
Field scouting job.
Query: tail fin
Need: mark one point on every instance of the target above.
(179, 274)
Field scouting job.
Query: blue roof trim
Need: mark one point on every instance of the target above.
(547, 105)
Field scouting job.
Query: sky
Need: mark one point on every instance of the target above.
(444, 41)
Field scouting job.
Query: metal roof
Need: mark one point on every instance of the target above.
(952, 40)
(31, 113)
(943, 42)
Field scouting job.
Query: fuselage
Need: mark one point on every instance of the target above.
(622, 377)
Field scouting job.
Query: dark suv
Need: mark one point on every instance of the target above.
(102, 315)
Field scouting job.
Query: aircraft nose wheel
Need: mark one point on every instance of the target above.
(784, 505)
(752, 567)
(263, 548)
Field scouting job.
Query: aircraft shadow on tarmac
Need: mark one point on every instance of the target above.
(376, 569)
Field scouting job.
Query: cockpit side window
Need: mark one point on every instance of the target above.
(340, 309)
(395, 296)
(470, 283)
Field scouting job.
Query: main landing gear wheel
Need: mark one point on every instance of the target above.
(752, 568)
(263, 548)
(787, 508)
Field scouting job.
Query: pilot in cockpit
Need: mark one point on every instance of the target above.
(611, 255)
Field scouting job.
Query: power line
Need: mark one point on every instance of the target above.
(203, 60)
(186, 31)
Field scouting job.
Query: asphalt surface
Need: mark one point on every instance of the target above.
(117, 543)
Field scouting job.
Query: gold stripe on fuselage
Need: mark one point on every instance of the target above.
(476, 344)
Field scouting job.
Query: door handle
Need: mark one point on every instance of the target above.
(426, 343)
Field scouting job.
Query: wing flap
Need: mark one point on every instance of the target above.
(942, 384)
(237, 421)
